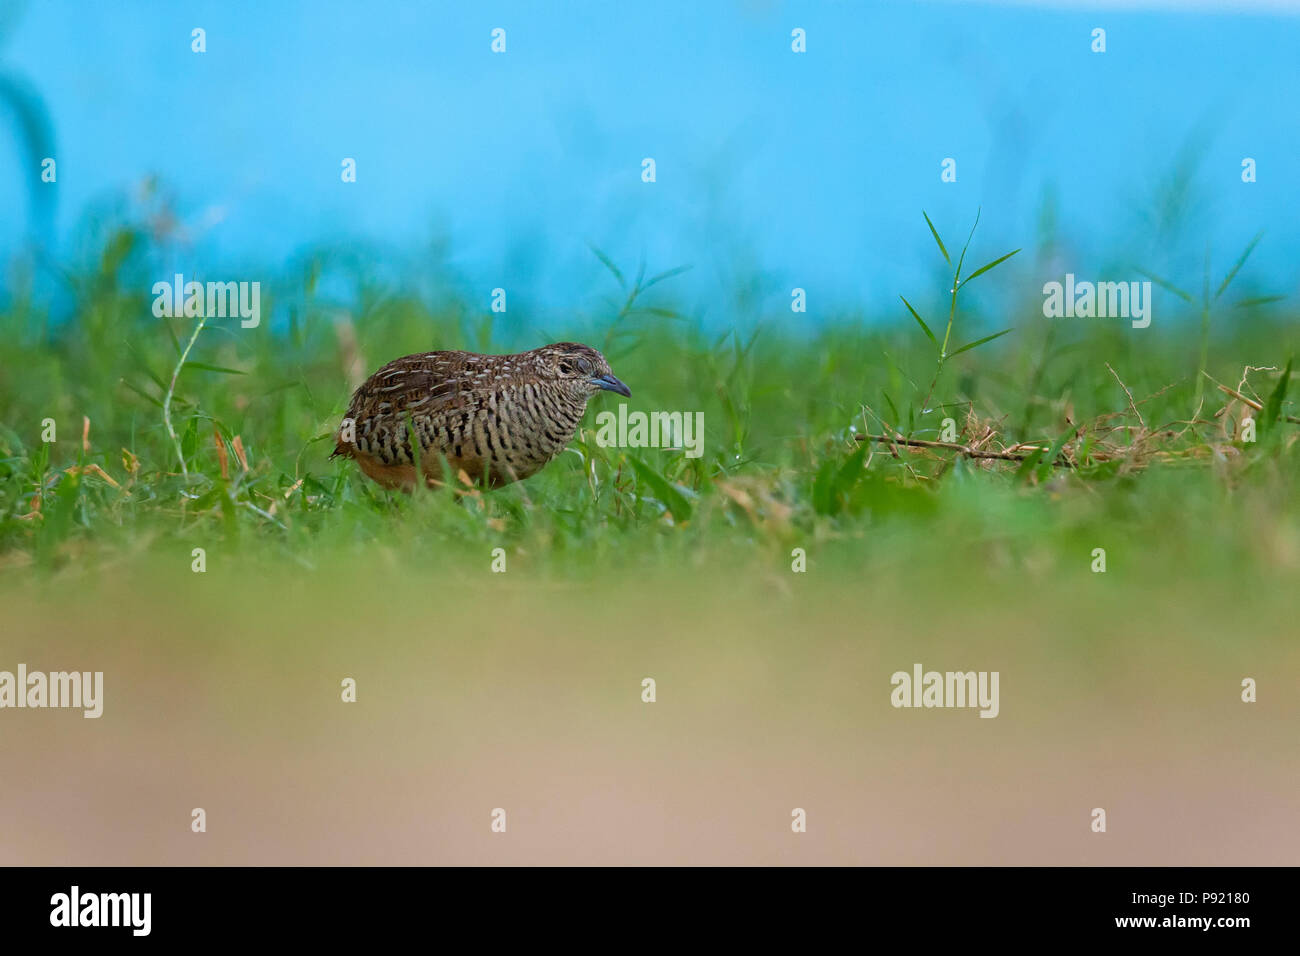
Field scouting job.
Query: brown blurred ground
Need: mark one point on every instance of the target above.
(224, 693)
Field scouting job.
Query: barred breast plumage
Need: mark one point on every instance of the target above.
(503, 416)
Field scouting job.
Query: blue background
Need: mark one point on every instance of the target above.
(774, 169)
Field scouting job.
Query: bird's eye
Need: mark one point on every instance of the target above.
(584, 366)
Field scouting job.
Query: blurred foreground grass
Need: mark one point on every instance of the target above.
(222, 691)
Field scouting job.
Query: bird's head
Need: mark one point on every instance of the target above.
(580, 369)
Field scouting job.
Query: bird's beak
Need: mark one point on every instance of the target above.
(611, 384)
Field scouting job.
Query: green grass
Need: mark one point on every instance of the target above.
(1156, 480)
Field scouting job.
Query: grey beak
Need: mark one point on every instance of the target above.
(611, 384)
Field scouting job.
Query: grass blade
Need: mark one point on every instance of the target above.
(1049, 460)
(1258, 300)
(1166, 285)
(983, 269)
(655, 280)
(1273, 410)
(1232, 273)
(935, 232)
(204, 366)
(921, 322)
(1028, 467)
(893, 409)
(142, 393)
(664, 490)
(961, 259)
(609, 264)
(987, 338)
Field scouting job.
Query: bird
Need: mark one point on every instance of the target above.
(499, 418)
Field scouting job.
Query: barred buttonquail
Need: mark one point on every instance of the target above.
(505, 416)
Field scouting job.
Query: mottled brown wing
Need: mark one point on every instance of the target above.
(426, 385)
